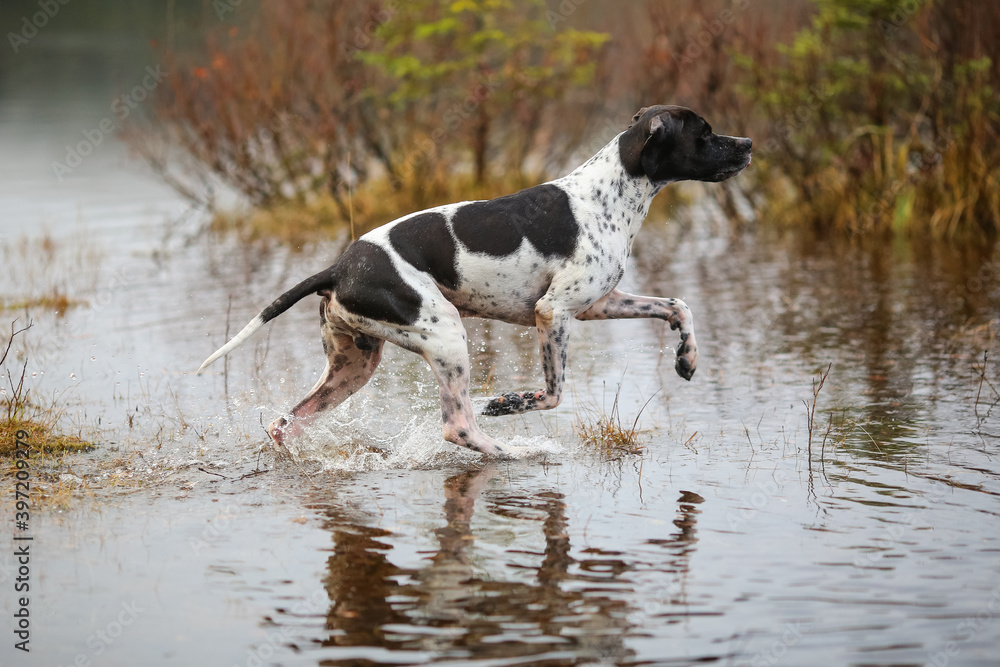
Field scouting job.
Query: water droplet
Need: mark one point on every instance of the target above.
(93, 358)
(72, 376)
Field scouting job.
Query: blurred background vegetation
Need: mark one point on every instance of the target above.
(869, 117)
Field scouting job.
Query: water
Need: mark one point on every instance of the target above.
(730, 539)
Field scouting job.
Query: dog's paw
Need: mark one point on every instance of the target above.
(509, 453)
(513, 403)
(683, 368)
(491, 449)
(503, 405)
(277, 431)
(687, 357)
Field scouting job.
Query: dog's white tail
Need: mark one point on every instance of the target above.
(237, 340)
(324, 280)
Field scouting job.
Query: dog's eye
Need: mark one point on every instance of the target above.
(706, 133)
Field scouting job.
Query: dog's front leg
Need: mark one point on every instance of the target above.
(620, 305)
(553, 342)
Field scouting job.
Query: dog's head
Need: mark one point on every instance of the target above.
(670, 143)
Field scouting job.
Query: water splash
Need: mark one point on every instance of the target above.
(362, 437)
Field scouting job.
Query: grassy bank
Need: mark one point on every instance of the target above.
(25, 421)
(294, 222)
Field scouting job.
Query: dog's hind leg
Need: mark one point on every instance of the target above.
(553, 342)
(351, 358)
(621, 305)
(446, 351)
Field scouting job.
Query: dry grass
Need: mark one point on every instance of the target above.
(606, 432)
(56, 300)
(290, 223)
(817, 386)
(42, 436)
(40, 273)
(24, 420)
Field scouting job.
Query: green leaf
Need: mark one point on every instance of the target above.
(903, 214)
(445, 26)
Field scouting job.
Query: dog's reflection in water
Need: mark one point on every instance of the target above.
(467, 603)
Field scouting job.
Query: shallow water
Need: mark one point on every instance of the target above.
(729, 539)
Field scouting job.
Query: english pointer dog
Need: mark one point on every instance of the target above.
(540, 257)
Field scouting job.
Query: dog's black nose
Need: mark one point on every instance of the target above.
(745, 142)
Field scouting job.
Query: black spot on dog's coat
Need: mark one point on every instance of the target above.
(368, 284)
(365, 343)
(497, 227)
(425, 242)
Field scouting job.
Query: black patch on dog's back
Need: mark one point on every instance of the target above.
(541, 214)
(425, 242)
(367, 284)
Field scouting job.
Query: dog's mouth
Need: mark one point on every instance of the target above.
(732, 171)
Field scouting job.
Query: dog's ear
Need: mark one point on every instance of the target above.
(662, 139)
(631, 142)
(638, 115)
(645, 143)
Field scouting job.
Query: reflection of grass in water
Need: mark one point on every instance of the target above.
(606, 432)
(970, 338)
(56, 301)
(40, 271)
(985, 400)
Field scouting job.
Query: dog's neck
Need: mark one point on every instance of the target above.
(612, 190)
